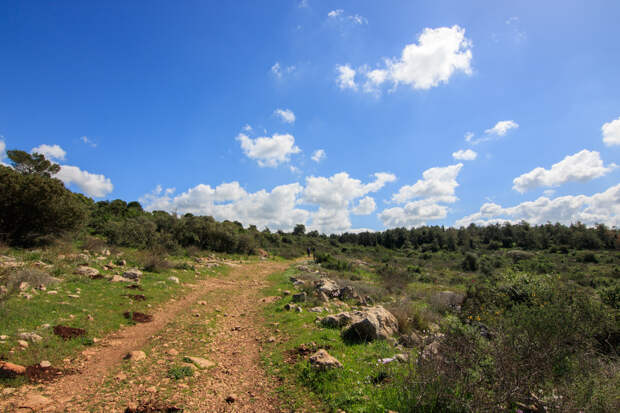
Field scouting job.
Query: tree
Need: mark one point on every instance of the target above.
(300, 229)
(35, 207)
(35, 163)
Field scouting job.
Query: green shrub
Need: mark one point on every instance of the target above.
(179, 372)
(470, 262)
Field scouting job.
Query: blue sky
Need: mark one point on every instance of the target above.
(219, 108)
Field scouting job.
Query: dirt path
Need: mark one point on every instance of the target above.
(219, 320)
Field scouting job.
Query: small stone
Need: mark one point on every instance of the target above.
(52, 292)
(86, 270)
(5, 366)
(271, 339)
(22, 343)
(174, 279)
(202, 303)
(151, 389)
(45, 364)
(201, 362)
(300, 297)
(231, 398)
(403, 358)
(322, 360)
(73, 296)
(132, 274)
(136, 355)
(32, 337)
(173, 352)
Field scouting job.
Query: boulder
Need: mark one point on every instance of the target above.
(347, 293)
(132, 274)
(87, 271)
(340, 319)
(328, 287)
(300, 297)
(374, 323)
(322, 360)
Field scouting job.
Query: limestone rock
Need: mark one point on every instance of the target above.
(32, 337)
(136, 355)
(174, 279)
(328, 287)
(132, 274)
(322, 360)
(374, 323)
(87, 271)
(201, 362)
(300, 297)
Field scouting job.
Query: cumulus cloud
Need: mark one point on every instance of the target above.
(318, 155)
(413, 214)
(434, 59)
(269, 151)
(465, 155)
(229, 201)
(580, 167)
(93, 185)
(346, 77)
(334, 196)
(279, 71)
(502, 127)
(50, 151)
(437, 184)
(286, 115)
(603, 207)
(365, 206)
(611, 132)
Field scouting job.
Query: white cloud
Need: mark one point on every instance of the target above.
(247, 128)
(438, 184)
(438, 55)
(580, 167)
(611, 132)
(339, 15)
(294, 169)
(269, 151)
(334, 196)
(346, 77)
(502, 127)
(87, 141)
(603, 207)
(413, 214)
(465, 155)
(279, 71)
(93, 185)
(365, 206)
(50, 151)
(318, 155)
(2, 152)
(286, 115)
(335, 13)
(228, 201)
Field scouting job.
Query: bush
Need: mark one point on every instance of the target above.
(180, 372)
(470, 262)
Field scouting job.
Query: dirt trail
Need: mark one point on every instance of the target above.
(234, 348)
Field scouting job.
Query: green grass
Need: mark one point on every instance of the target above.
(354, 388)
(103, 300)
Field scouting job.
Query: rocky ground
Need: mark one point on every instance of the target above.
(200, 353)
